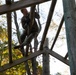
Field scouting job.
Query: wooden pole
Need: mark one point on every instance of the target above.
(46, 59)
(9, 26)
(57, 34)
(49, 18)
(70, 25)
(9, 36)
(18, 5)
(32, 16)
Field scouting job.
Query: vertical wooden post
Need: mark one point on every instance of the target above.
(8, 2)
(46, 59)
(32, 16)
(27, 68)
(9, 36)
(70, 24)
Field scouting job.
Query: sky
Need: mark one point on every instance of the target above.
(60, 46)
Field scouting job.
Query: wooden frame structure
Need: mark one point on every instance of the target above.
(71, 44)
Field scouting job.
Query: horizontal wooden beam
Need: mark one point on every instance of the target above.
(18, 5)
(16, 62)
(24, 59)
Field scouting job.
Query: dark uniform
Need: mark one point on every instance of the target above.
(28, 34)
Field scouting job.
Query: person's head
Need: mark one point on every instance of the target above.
(24, 11)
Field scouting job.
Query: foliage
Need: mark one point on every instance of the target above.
(4, 54)
(17, 70)
(39, 70)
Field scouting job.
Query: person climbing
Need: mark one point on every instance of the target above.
(27, 35)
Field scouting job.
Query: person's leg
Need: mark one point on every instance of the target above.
(22, 38)
(28, 39)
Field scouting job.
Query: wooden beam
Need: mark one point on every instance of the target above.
(32, 14)
(66, 56)
(24, 59)
(57, 34)
(32, 17)
(18, 5)
(9, 27)
(16, 62)
(59, 57)
(31, 23)
(48, 22)
(70, 25)
(46, 68)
